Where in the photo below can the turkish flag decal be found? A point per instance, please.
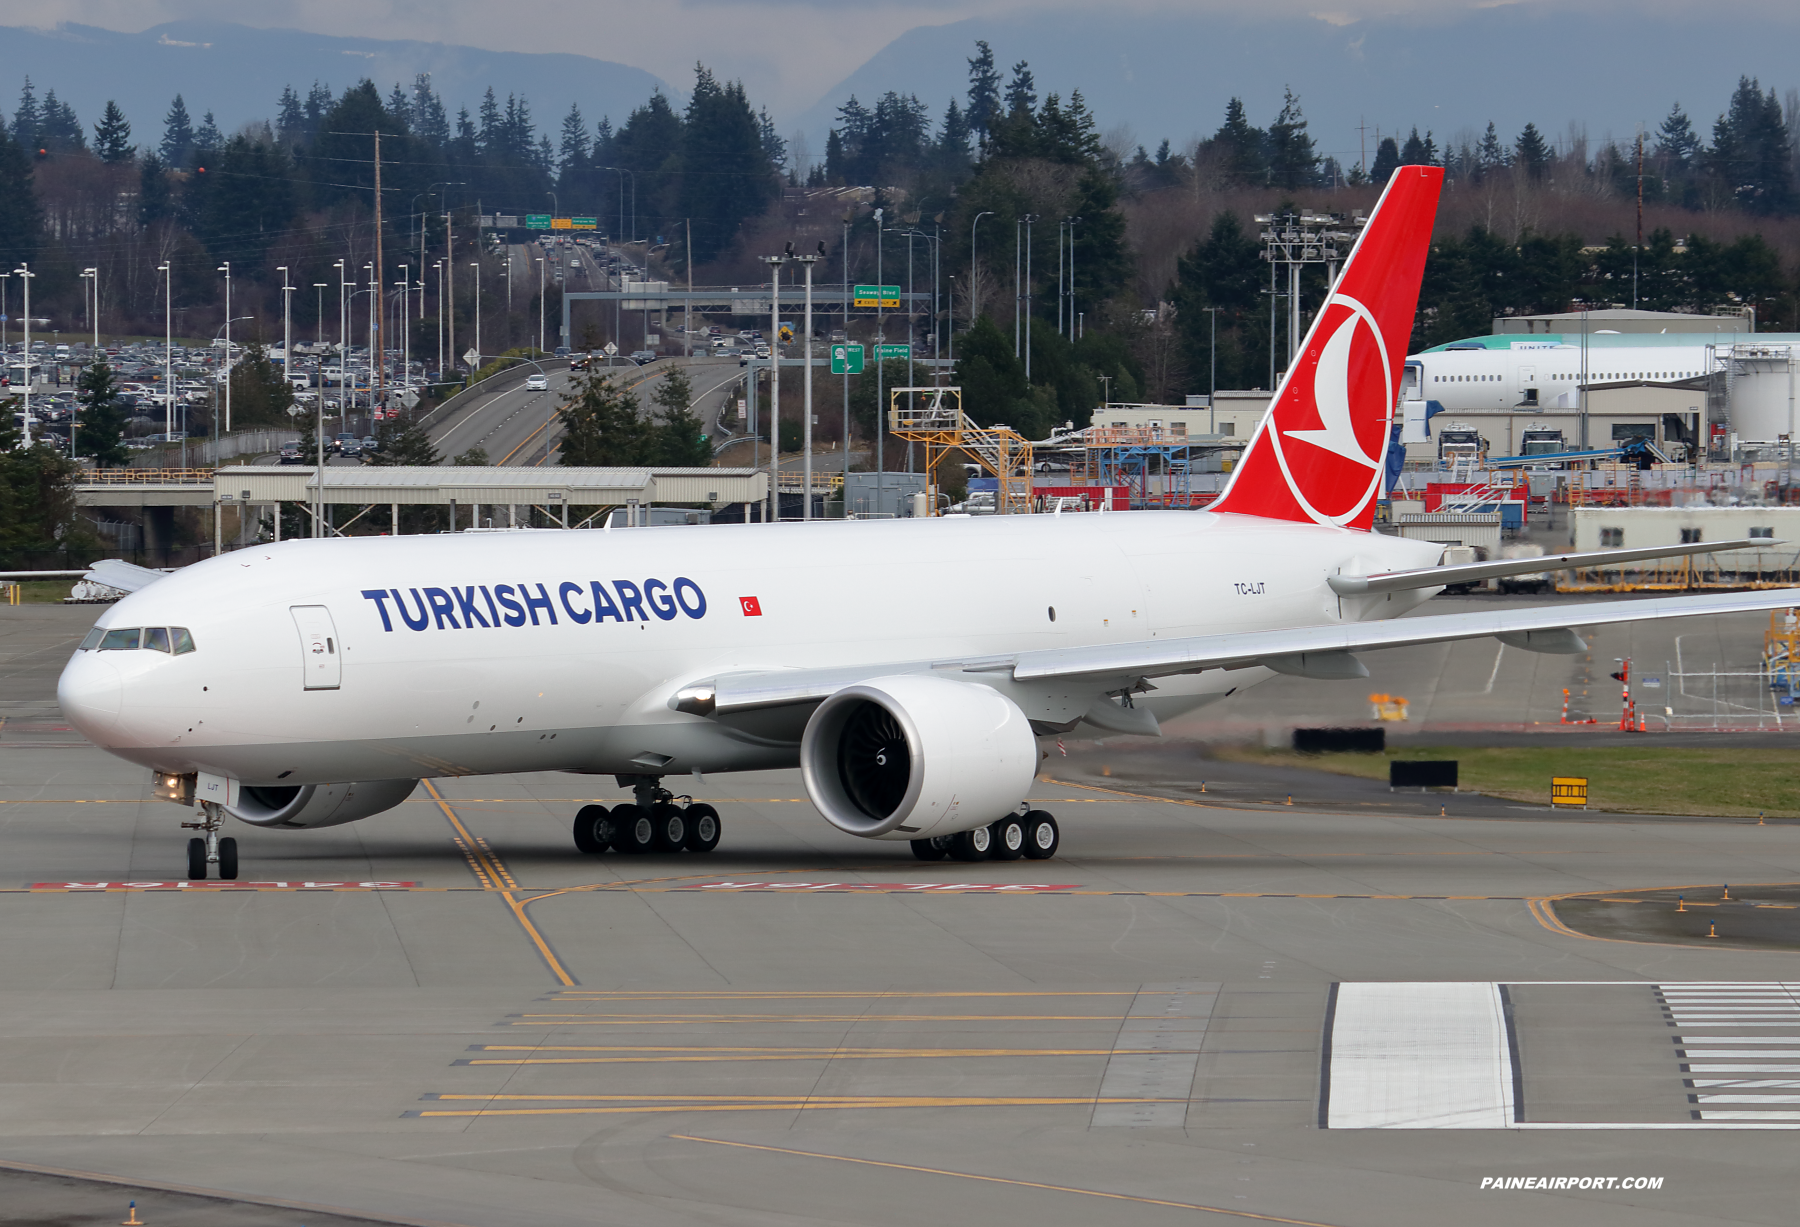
(752, 606)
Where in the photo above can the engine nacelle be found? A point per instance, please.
(305, 806)
(907, 757)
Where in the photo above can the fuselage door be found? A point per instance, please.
(321, 654)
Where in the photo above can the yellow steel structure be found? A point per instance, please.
(937, 420)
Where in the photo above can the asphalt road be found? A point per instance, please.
(1205, 1009)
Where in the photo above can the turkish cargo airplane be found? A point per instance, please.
(908, 667)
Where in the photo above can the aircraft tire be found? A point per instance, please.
(634, 831)
(196, 860)
(228, 866)
(972, 845)
(1042, 836)
(671, 828)
(1008, 838)
(933, 849)
(703, 828)
(590, 835)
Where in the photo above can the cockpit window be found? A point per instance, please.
(174, 639)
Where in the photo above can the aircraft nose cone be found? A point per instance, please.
(89, 692)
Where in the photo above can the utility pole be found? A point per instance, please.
(449, 287)
(880, 389)
(1640, 220)
(1029, 218)
(169, 352)
(24, 273)
(1212, 399)
(974, 276)
(226, 269)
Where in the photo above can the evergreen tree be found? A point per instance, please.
(25, 118)
(774, 147)
(260, 393)
(1021, 92)
(407, 443)
(21, 219)
(430, 123)
(154, 202)
(399, 107)
(1239, 147)
(290, 120)
(1532, 153)
(953, 142)
(1293, 162)
(984, 93)
(37, 494)
(1752, 156)
(680, 435)
(1490, 155)
(1225, 270)
(112, 136)
(721, 140)
(992, 379)
(178, 136)
(318, 102)
(207, 137)
(59, 131)
(601, 427)
(1387, 160)
(575, 150)
(100, 416)
(1416, 151)
(474, 458)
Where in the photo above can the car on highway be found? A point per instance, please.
(290, 454)
(643, 355)
(538, 382)
(340, 442)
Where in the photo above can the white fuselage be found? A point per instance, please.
(1558, 366)
(473, 686)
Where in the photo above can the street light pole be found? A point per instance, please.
(775, 263)
(880, 388)
(169, 353)
(540, 264)
(226, 269)
(1029, 218)
(287, 326)
(24, 273)
(474, 365)
(974, 279)
(807, 379)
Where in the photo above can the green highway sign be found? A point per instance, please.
(893, 353)
(877, 296)
(537, 221)
(584, 223)
(846, 359)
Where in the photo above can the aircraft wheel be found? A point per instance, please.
(972, 845)
(671, 828)
(703, 828)
(196, 860)
(634, 831)
(1042, 837)
(933, 849)
(593, 828)
(1008, 838)
(228, 867)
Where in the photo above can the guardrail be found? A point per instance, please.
(146, 477)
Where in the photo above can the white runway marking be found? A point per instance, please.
(1736, 1007)
(1419, 1056)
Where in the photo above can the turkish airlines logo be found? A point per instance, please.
(1346, 385)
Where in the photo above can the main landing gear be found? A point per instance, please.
(656, 823)
(211, 850)
(1033, 835)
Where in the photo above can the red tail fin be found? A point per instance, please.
(1317, 454)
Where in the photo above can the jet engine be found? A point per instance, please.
(306, 806)
(908, 757)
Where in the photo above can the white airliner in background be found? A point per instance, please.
(1549, 370)
(908, 667)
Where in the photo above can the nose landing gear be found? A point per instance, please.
(658, 822)
(211, 850)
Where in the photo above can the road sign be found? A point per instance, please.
(1568, 790)
(612, 350)
(846, 359)
(410, 399)
(470, 356)
(584, 223)
(893, 353)
(538, 221)
(877, 296)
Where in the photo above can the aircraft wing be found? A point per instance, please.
(125, 576)
(1325, 651)
(1464, 573)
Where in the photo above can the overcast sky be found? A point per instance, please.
(787, 52)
